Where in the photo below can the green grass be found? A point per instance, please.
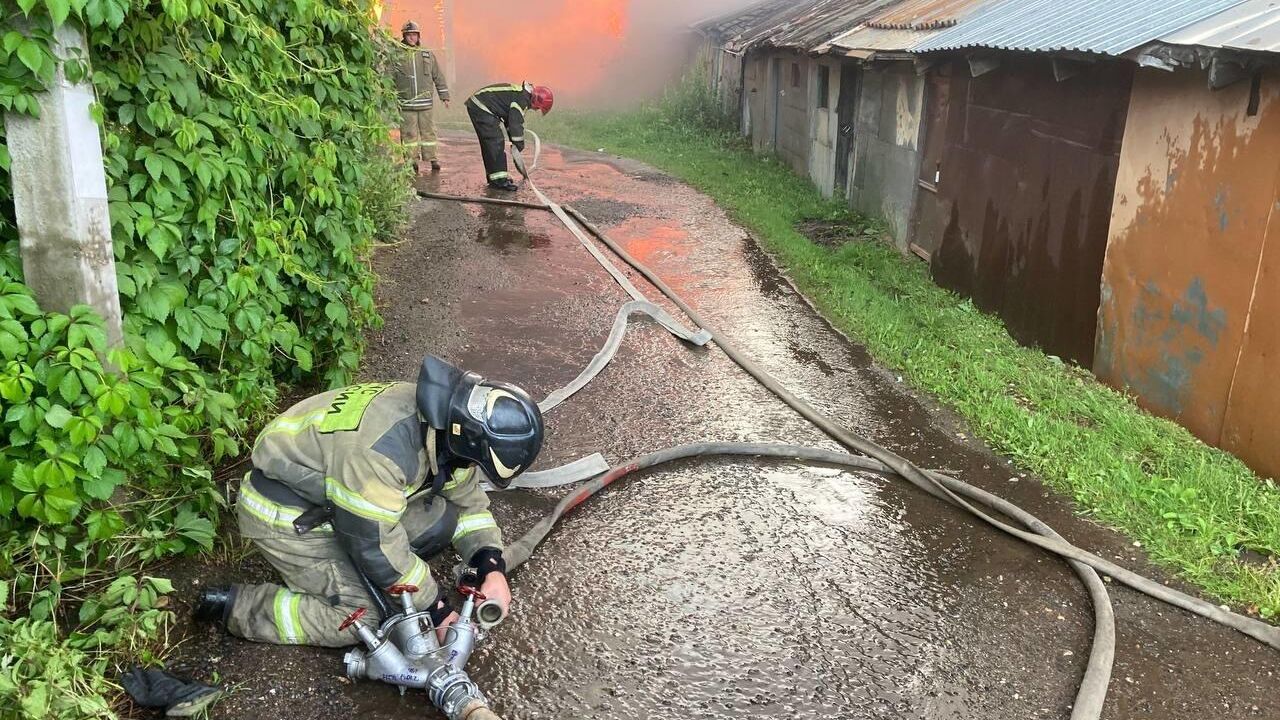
(1193, 508)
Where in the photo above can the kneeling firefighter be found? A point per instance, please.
(495, 106)
(356, 487)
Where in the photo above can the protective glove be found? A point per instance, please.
(154, 688)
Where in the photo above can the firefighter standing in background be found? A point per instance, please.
(495, 106)
(418, 77)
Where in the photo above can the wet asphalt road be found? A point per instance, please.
(729, 589)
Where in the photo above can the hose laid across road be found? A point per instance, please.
(881, 461)
(1093, 688)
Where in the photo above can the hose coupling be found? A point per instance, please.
(455, 694)
(489, 614)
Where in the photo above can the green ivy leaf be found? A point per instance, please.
(195, 528)
(94, 461)
(57, 416)
(58, 10)
(162, 353)
(190, 329)
(212, 318)
(158, 241)
(82, 431)
(24, 479)
(99, 488)
(24, 304)
(155, 167)
(163, 586)
(61, 504)
(303, 356)
(52, 473)
(69, 388)
(175, 9)
(10, 346)
(337, 312)
(31, 53)
(35, 703)
(114, 13)
(86, 334)
(104, 524)
(154, 302)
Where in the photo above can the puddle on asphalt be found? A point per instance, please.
(505, 228)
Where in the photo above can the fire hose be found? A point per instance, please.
(870, 457)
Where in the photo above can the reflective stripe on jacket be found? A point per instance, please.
(506, 102)
(418, 78)
(361, 451)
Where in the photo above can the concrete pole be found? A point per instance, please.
(60, 197)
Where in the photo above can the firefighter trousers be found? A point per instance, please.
(321, 585)
(493, 143)
(418, 133)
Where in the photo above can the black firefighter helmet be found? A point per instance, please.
(494, 425)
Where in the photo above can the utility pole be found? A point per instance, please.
(60, 196)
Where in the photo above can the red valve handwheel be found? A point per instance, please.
(353, 618)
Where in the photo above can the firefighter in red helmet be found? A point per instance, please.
(497, 106)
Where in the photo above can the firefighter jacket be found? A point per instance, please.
(362, 451)
(418, 77)
(508, 104)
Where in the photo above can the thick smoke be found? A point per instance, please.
(594, 53)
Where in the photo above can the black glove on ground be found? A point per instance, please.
(154, 688)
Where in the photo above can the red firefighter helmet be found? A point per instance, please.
(542, 98)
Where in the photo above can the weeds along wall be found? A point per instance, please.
(250, 172)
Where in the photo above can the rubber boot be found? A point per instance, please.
(213, 605)
(505, 185)
(435, 166)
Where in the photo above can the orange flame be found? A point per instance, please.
(567, 44)
(586, 50)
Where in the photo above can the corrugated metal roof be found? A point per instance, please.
(819, 22)
(923, 14)
(907, 24)
(804, 25)
(1109, 27)
(1253, 25)
(738, 21)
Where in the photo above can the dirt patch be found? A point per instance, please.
(607, 212)
(834, 233)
